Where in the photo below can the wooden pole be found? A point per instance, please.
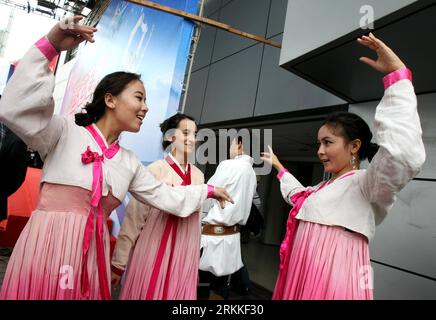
(204, 20)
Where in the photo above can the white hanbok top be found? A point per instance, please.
(27, 106)
(362, 200)
(222, 254)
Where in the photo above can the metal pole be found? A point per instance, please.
(195, 40)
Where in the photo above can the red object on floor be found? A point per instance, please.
(20, 207)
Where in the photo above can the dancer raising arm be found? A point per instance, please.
(63, 252)
(325, 251)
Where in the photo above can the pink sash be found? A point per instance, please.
(298, 200)
(97, 174)
(171, 224)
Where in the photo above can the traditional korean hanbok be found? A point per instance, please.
(63, 252)
(325, 251)
(163, 249)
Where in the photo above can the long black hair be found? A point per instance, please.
(172, 123)
(114, 84)
(351, 127)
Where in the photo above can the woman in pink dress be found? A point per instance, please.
(325, 251)
(163, 249)
(63, 252)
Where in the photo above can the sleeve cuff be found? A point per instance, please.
(117, 271)
(394, 77)
(46, 48)
(210, 191)
(281, 173)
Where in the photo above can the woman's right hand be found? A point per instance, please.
(271, 159)
(65, 36)
(387, 61)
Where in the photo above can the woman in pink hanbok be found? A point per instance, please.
(325, 251)
(63, 251)
(159, 251)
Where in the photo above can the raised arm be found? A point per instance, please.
(289, 185)
(27, 103)
(397, 130)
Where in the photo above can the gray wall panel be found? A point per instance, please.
(407, 237)
(232, 84)
(277, 15)
(226, 2)
(197, 88)
(203, 54)
(315, 23)
(392, 284)
(246, 15)
(282, 91)
(210, 7)
(427, 113)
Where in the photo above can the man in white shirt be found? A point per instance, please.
(220, 240)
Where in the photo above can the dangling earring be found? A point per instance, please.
(353, 162)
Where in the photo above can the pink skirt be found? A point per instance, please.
(180, 276)
(326, 263)
(46, 261)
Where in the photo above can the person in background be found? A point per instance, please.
(159, 250)
(220, 240)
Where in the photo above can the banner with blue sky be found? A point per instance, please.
(152, 43)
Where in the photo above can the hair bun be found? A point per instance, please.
(372, 150)
(83, 119)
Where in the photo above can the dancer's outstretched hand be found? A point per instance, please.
(222, 196)
(271, 159)
(65, 35)
(387, 61)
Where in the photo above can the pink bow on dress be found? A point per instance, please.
(97, 160)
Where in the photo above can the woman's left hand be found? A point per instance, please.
(387, 60)
(271, 159)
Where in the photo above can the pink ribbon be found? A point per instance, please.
(395, 76)
(46, 48)
(172, 223)
(210, 191)
(292, 224)
(97, 160)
